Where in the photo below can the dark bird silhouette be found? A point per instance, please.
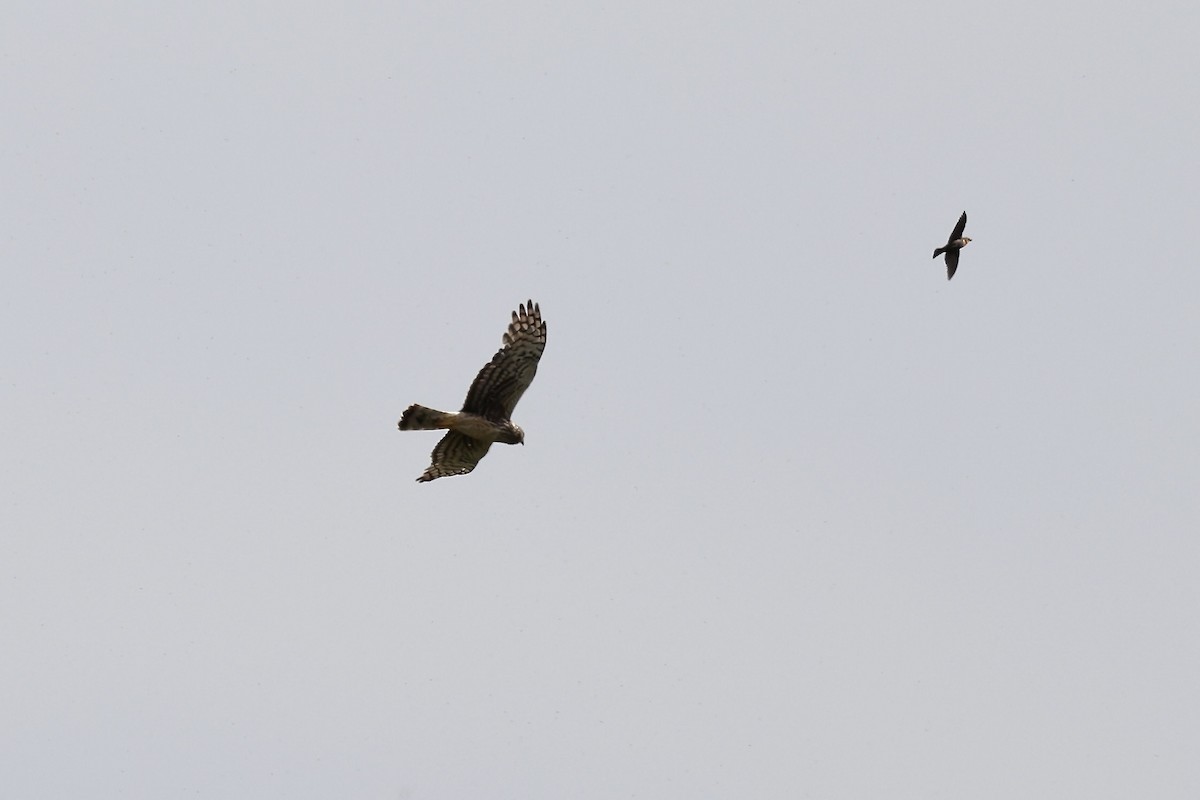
(955, 243)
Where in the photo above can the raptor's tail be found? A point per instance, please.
(420, 418)
(938, 252)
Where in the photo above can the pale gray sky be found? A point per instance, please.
(795, 518)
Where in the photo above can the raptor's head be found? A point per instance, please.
(966, 240)
(511, 434)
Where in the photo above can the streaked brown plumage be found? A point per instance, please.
(486, 413)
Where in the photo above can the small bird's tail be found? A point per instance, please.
(420, 418)
(938, 252)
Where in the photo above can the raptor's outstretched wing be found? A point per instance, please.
(455, 454)
(502, 381)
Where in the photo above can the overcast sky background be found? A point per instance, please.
(796, 517)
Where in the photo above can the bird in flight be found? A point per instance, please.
(486, 413)
(955, 243)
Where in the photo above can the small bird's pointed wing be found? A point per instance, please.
(959, 228)
(455, 454)
(502, 381)
(951, 263)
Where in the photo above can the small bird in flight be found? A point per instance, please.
(955, 243)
